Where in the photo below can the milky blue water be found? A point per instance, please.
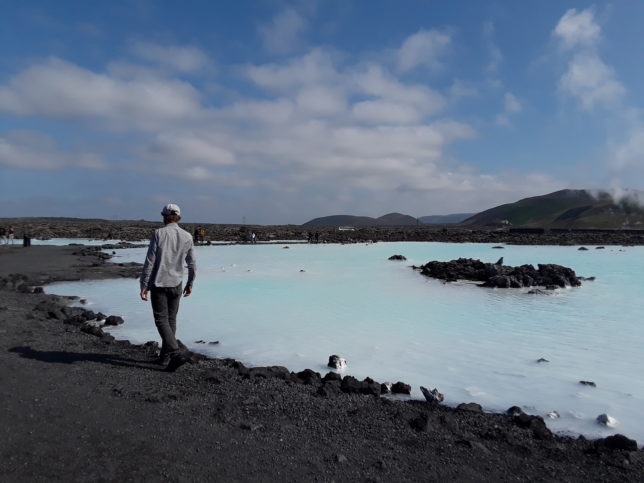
(268, 305)
(67, 241)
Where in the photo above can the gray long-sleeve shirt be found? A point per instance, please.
(169, 247)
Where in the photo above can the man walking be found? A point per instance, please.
(162, 277)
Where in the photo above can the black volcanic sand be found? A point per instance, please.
(75, 406)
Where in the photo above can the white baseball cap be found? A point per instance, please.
(171, 209)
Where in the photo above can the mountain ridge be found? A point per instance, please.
(566, 209)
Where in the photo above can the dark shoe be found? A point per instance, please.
(162, 360)
(176, 361)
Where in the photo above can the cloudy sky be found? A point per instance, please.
(281, 111)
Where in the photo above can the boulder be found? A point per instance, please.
(332, 376)
(617, 442)
(472, 407)
(114, 320)
(588, 383)
(535, 423)
(91, 329)
(308, 377)
(401, 388)
(432, 396)
(514, 411)
(398, 257)
(337, 362)
(352, 386)
(606, 420)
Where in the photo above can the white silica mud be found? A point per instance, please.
(268, 305)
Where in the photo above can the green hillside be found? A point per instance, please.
(577, 209)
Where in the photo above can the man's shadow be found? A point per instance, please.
(64, 357)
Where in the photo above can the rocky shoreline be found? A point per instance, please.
(136, 231)
(78, 404)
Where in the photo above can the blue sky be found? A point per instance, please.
(282, 111)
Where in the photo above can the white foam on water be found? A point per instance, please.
(391, 323)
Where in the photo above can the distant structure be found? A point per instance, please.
(346, 228)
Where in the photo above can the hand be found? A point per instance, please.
(187, 290)
(144, 294)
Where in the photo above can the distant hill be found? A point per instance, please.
(391, 219)
(581, 209)
(444, 219)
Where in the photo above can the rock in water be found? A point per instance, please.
(114, 320)
(499, 261)
(398, 257)
(553, 415)
(501, 276)
(606, 420)
(337, 362)
(588, 383)
(432, 396)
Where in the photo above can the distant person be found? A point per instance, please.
(253, 238)
(3, 235)
(162, 276)
(317, 237)
(310, 237)
(195, 235)
(11, 234)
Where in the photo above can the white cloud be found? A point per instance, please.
(316, 127)
(424, 48)
(386, 112)
(281, 34)
(322, 100)
(592, 82)
(59, 89)
(188, 147)
(496, 57)
(314, 68)
(182, 58)
(577, 29)
(375, 81)
(511, 103)
(37, 151)
(587, 78)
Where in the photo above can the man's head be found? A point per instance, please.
(171, 213)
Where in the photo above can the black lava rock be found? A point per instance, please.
(401, 388)
(114, 320)
(501, 276)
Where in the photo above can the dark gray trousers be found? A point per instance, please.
(165, 305)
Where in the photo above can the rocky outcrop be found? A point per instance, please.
(501, 276)
(398, 257)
